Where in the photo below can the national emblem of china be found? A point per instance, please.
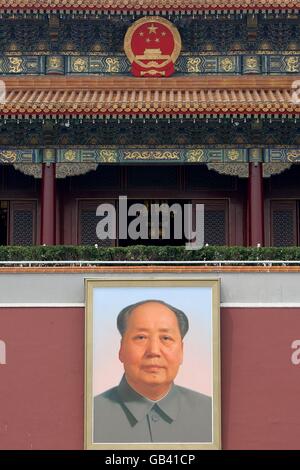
(152, 45)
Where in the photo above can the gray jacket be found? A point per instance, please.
(122, 415)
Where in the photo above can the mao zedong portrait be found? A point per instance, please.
(147, 406)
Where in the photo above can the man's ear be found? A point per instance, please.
(182, 348)
(121, 352)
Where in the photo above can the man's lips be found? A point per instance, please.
(152, 367)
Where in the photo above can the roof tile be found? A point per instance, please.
(237, 95)
(148, 5)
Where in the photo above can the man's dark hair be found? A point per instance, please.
(182, 319)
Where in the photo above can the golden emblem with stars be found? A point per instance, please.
(152, 45)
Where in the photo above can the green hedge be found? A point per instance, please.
(145, 253)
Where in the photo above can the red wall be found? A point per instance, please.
(41, 386)
(260, 385)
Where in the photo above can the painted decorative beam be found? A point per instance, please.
(134, 155)
(188, 63)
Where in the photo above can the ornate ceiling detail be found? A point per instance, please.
(73, 169)
(270, 169)
(62, 169)
(232, 169)
(30, 169)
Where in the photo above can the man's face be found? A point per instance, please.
(151, 349)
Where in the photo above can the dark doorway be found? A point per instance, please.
(162, 229)
(3, 222)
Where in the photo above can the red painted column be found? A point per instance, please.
(256, 205)
(48, 205)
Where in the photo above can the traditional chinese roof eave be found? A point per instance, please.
(70, 96)
(132, 83)
(143, 6)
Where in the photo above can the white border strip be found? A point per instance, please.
(261, 305)
(41, 305)
(223, 305)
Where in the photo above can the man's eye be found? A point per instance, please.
(140, 337)
(167, 338)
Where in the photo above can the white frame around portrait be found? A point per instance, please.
(146, 280)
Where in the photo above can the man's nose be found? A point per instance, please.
(153, 347)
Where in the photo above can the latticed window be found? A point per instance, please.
(22, 223)
(215, 221)
(215, 227)
(284, 223)
(23, 227)
(88, 221)
(3, 222)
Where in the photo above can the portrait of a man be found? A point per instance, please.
(152, 364)
(147, 406)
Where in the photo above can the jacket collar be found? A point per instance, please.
(140, 406)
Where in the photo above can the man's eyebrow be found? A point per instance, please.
(163, 330)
